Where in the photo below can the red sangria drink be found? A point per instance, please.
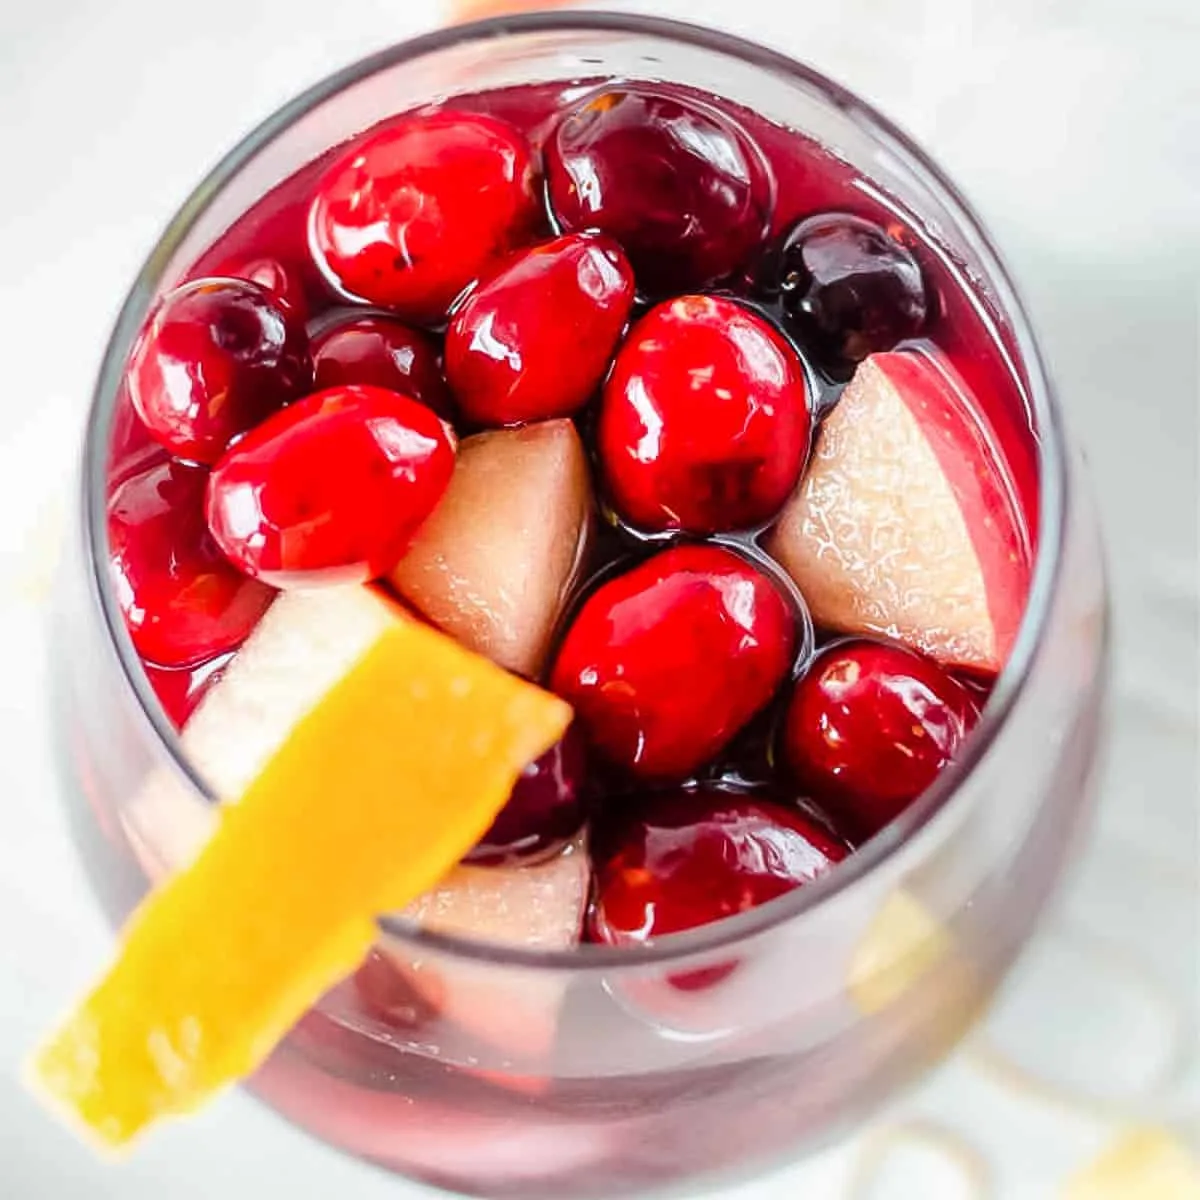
(660, 373)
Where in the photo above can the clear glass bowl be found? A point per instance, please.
(845, 990)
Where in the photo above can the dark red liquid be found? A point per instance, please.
(379, 1086)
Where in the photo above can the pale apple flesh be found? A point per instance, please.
(495, 562)
(906, 522)
(535, 907)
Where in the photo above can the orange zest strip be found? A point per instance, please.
(376, 793)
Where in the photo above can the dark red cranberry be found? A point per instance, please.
(688, 858)
(180, 689)
(665, 663)
(217, 357)
(332, 489)
(408, 216)
(283, 282)
(535, 340)
(849, 288)
(704, 424)
(869, 727)
(182, 600)
(380, 351)
(545, 809)
(678, 184)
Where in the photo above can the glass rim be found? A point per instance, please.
(1052, 470)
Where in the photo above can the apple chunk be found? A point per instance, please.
(536, 907)
(906, 522)
(493, 564)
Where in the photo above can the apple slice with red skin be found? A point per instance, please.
(906, 522)
(494, 563)
(537, 907)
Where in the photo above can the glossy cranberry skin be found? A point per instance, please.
(284, 282)
(848, 288)
(536, 339)
(216, 358)
(382, 352)
(687, 858)
(546, 806)
(408, 216)
(332, 489)
(665, 663)
(182, 601)
(682, 189)
(180, 689)
(131, 447)
(704, 423)
(869, 727)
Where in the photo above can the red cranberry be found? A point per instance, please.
(665, 663)
(536, 339)
(869, 727)
(410, 215)
(688, 858)
(704, 424)
(217, 357)
(332, 489)
(380, 351)
(681, 188)
(180, 689)
(131, 447)
(848, 288)
(283, 282)
(182, 601)
(545, 808)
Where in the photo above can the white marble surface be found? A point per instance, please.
(1075, 125)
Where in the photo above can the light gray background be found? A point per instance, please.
(1074, 125)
